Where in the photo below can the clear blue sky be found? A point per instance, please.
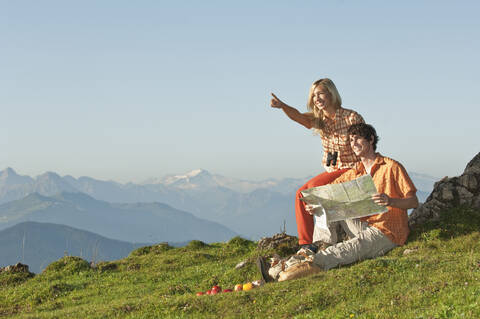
(127, 90)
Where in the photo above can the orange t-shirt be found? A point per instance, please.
(391, 178)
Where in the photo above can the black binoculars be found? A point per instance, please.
(332, 158)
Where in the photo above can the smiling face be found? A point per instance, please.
(322, 99)
(361, 146)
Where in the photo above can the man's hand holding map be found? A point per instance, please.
(334, 202)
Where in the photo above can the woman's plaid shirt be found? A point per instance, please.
(335, 139)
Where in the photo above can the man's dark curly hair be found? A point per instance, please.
(366, 131)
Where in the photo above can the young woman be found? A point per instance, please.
(330, 120)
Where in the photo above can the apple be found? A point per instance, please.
(216, 289)
(238, 287)
(209, 292)
(227, 290)
(200, 293)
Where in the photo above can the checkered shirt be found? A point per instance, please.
(335, 139)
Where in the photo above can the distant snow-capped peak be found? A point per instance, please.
(193, 179)
(196, 172)
(202, 179)
(174, 178)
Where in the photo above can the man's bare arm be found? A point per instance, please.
(409, 201)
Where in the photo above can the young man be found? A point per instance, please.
(370, 236)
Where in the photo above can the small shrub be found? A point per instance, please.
(68, 264)
(15, 278)
(104, 266)
(133, 267)
(155, 249)
(196, 244)
(239, 242)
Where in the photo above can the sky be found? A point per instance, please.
(131, 90)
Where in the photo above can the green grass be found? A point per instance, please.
(441, 279)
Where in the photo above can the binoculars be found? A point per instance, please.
(332, 158)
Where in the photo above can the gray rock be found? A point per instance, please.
(18, 267)
(473, 167)
(449, 193)
(468, 181)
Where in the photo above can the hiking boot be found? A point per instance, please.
(311, 247)
(299, 270)
(263, 266)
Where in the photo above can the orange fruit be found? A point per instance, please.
(248, 286)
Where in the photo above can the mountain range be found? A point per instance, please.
(133, 222)
(250, 208)
(38, 244)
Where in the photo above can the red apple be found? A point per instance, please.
(216, 288)
(227, 290)
(200, 293)
(209, 292)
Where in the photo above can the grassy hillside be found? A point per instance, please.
(440, 279)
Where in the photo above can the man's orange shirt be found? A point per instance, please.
(391, 178)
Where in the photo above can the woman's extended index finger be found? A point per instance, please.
(275, 97)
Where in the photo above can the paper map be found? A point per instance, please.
(342, 201)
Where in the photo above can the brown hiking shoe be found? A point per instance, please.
(263, 266)
(299, 270)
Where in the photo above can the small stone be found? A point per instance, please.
(409, 251)
(241, 264)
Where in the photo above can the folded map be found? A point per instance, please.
(342, 201)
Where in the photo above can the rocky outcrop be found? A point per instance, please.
(281, 239)
(19, 267)
(449, 193)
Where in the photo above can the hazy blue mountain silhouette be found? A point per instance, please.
(136, 222)
(39, 244)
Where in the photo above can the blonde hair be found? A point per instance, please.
(332, 90)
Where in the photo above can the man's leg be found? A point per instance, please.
(369, 242)
(305, 223)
